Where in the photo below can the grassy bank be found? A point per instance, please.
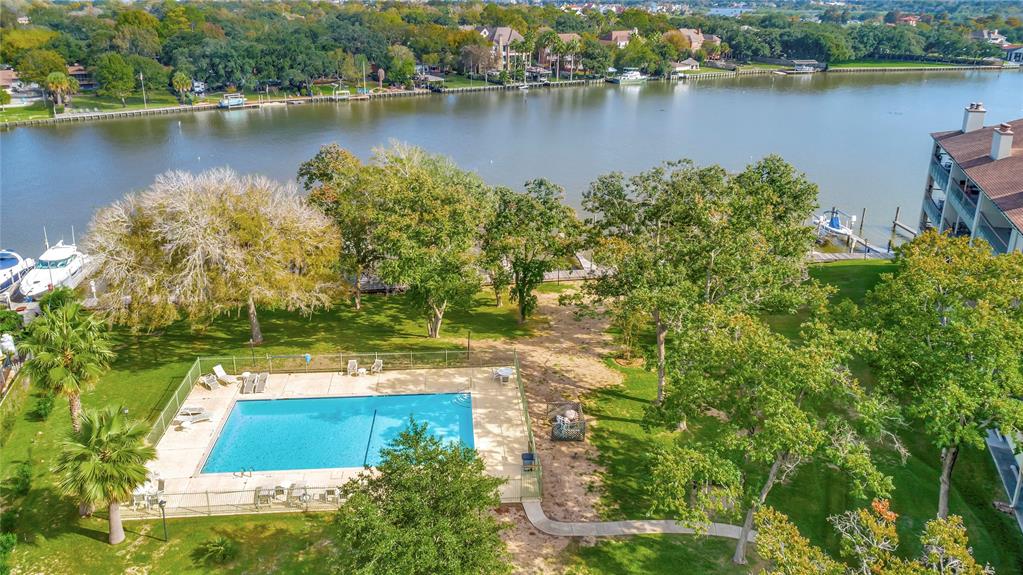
(52, 539)
(812, 495)
(891, 64)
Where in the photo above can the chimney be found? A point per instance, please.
(1001, 142)
(973, 118)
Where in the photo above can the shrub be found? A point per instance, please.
(216, 551)
(21, 482)
(10, 322)
(7, 542)
(43, 407)
(56, 298)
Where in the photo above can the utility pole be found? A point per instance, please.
(143, 80)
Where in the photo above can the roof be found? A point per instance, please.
(502, 35)
(1001, 180)
(8, 77)
(569, 37)
(619, 35)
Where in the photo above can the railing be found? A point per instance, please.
(174, 403)
(257, 499)
(933, 209)
(939, 173)
(997, 237)
(531, 481)
(331, 362)
(966, 205)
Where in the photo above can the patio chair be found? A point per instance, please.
(218, 370)
(205, 382)
(353, 367)
(190, 410)
(263, 495)
(331, 495)
(139, 500)
(378, 366)
(249, 384)
(261, 380)
(298, 494)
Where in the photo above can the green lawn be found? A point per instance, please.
(658, 554)
(460, 81)
(763, 66)
(154, 99)
(889, 64)
(51, 537)
(812, 495)
(35, 111)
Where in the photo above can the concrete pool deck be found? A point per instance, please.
(499, 433)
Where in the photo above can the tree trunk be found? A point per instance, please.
(116, 528)
(662, 331)
(740, 548)
(949, 455)
(256, 332)
(433, 328)
(497, 295)
(75, 406)
(358, 296)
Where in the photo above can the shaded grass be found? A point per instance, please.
(658, 554)
(33, 111)
(813, 494)
(146, 371)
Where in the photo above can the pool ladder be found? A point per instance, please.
(463, 399)
(244, 472)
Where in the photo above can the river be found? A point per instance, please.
(863, 138)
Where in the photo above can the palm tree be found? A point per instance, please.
(70, 351)
(572, 48)
(104, 462)
(59, 84)
(182, 84)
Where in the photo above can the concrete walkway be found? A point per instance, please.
(536, 516)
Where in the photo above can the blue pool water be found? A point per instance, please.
(329, 432)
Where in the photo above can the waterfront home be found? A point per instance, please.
(677, 69)
(697, 38)
(989, 36)
(8, 78)
(975, 182)
(501, 40)
(619, 38)
(80, 73)
(1013, 53)
(549, 59)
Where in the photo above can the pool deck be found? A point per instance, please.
(499, 431)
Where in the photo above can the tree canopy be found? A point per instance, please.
(210, 243)
(950, 331)
(425, 510)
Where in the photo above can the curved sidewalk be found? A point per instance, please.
(539, 519)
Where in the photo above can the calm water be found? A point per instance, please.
(325, 433)
(862, 137)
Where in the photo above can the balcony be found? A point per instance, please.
(997, 237)
(964, 203)
(939, 174)
(933, 209)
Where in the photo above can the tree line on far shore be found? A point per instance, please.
(281, 45)
(692, 260)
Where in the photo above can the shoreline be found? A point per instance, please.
(86, 117)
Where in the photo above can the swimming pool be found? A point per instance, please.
(329, 432)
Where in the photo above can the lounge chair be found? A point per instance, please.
(249, 383)
(190, 410)
(378, 366)
(263, 495)
(261, 380)
(190, 419)
(205, 382)
(218, 370)
(353, 367)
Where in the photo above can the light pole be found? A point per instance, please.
(163, 514)
(143, 80)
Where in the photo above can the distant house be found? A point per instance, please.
(1013, 53)
(548, 57)
(908, 19)
(198, 87)
(619, 38)
(989, 36)
(24, 20)
(80, 73)
(686, 65)
(501, 39)
(697, 38)
(8, 78)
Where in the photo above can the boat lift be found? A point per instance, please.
(836, 223)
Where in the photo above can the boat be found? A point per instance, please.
(835, 222)
(13, 267)
(61, 265)
(231, 101)
(803, 69)
(629, 77)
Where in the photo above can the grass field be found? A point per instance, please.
(812, 495)
(34, 111)
(889, 64)
(51, 538)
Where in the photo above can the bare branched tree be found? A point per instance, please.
(201, 245)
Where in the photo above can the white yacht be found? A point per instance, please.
(60, 265)
(630, 76)
(12, 268)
